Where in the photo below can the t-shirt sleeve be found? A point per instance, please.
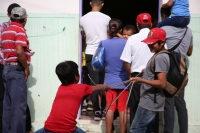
(162, 63)
(88, 90)
(127, 53)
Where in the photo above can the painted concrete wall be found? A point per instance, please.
(53, 30)
(192, 90)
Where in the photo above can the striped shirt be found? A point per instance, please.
(14, 35)
(3, 26)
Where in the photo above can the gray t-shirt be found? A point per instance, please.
(174, 35)
(162, 64)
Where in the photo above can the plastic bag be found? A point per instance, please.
(98, 58)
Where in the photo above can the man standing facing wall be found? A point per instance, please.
(93, 28)
(15, 48)
(135, 55)
(174, 35)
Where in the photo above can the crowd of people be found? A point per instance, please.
(128, 57)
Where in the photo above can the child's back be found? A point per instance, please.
(65, 107)
(180, 8)
(180, 14)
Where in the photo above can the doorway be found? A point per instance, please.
(126, 10)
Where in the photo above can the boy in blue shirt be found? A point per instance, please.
(180, 14)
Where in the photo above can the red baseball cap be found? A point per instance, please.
(155, 35)
(144, 18)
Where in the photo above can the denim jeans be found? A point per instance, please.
(169, 114)
(143, 121)
(177, 21)
(15, 100)
(42, 130)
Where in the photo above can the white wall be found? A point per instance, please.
(44, 6)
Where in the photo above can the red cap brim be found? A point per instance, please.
(150, 41)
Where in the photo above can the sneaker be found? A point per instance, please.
(97, 115)
(90, 106)
(103, 115)
(84, 107)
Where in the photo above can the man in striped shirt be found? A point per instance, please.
(16, 53)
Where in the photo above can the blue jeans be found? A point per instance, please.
(177, 21)
(143, 121)
(42, 130)
(15, 100)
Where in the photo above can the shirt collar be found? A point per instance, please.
(144, 30)
(17, 24)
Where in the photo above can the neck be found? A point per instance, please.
(96, 9)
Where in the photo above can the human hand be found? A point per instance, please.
(136, 79)
(32, 53)
(105, 87)
(143, 70)
(27, 73)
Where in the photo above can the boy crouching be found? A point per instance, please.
(62, 118)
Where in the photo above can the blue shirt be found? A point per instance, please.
(180, 8)
(114, 68)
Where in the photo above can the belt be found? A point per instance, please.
(12, 63)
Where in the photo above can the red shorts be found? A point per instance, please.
(120, 104)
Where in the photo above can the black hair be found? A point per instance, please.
(130, 27)
(160, 42)
(114, 26)
(97, 2)
(141, 26)
(67, 72)
(165, 11)
(17, 20)
(11, 7)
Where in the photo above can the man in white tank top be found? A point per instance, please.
(93, 28)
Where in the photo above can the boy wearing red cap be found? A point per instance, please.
(152, 84)
(135, 56)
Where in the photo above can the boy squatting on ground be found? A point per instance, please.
(148, 107)
(62, 118)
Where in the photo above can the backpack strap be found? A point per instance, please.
(173, 48)
(152, 65)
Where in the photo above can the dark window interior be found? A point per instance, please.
(126, 10)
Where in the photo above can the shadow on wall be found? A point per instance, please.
(31, 82)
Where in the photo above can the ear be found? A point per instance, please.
(120, 31)
(90, 3)
(102, 4)
(9, 15)
(77, 79)
(151, 25)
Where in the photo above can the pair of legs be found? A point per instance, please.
(134, 101)
(97, 77)
(177, 21)
(143, 121)
(42, 130)
(15, 100)
(120, 104)
(2, 90)
(169, 114)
